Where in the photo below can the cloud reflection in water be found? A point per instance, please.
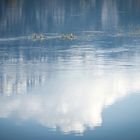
(78, 81)
(72, 101)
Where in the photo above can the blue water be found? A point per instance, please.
(53, 87)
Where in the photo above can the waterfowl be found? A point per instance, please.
(68, 37)
(38, 36)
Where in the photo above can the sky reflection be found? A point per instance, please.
(67, 84)
(73, 99)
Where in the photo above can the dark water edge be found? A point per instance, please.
(19, 18)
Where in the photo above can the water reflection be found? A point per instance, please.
(109, 15)
(65, 16)
(77, 90)
(67, 84)
(72, 103)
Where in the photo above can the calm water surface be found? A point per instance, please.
(86, 88)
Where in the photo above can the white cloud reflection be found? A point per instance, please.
(75, 101)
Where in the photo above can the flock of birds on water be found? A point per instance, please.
(71, 36)
(41, 37)
(37, 37)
